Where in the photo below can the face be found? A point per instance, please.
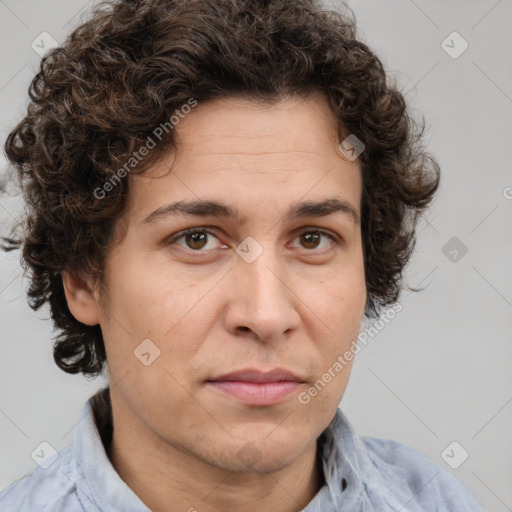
(258, 291)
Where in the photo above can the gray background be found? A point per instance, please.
(440, 370)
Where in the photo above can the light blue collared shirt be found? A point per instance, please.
(361, 474)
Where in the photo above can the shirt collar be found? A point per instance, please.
(99, 481)
(344, 462)
(346, 465)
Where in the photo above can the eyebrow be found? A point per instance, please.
(206, 208)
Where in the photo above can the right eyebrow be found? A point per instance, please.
(207, 208)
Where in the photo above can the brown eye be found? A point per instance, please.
(194, 239)
(312, 239)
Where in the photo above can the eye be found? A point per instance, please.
(198, 239)
(195, 239)
(311, 238)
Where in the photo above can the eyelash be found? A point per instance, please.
(181, 234)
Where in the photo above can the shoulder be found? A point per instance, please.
(429, 486)
(51, 489)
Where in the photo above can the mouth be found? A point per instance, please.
(256, 387)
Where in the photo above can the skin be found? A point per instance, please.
(298, 305)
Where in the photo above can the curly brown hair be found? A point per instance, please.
(131, 65)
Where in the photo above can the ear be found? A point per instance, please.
(82, 298)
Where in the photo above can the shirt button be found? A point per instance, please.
(343, 484)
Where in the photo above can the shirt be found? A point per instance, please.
(362, 474)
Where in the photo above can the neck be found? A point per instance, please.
(166, 478)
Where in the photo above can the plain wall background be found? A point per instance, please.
(440, 370)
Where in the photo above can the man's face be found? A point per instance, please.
(291, 298)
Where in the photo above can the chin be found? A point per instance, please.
(270, 459)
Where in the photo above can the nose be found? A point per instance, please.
(263, 302)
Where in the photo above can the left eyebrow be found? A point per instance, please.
(323, 208)
(205, 208)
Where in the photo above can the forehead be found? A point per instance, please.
(249, 152)
(242, 124)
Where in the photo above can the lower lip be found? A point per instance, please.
(255, 393)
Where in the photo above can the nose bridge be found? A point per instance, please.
(264, 301)
(260, 269)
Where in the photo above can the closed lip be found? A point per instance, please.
(258, 376)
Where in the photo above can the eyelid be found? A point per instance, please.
(335, 238)
(307, 229)
(170, 240)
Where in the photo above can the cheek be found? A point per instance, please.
(339, 309)
(156, 308)
(339, 300)
(152, 297)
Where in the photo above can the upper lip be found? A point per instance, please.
(254, 375)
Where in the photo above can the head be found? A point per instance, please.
(239, 107)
